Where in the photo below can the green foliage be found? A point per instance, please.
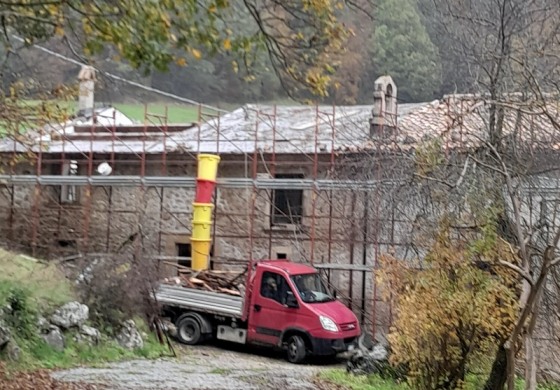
(17, 116)
(451, 311)
(18, 313)
(220, 371)
(362, 382)
(429, 156)
(402, 48)
(373, 382)
(544, 386)
(38, 354)
(214, 80)
(488, 239)
(46, 285)
(299, 37)
(28, 286)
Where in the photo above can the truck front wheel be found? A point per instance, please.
(188, 331)
(296, 349)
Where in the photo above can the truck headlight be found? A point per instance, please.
(328, 324)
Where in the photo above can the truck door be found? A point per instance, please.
(269, 313)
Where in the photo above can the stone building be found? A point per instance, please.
(314, 184)
(279, 191)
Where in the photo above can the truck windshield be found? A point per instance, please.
(311, 288)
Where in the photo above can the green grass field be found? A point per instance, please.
(176, 113)
(156, 112)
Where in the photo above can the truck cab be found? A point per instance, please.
(290, 307)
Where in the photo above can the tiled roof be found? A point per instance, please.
(459, 120)
(462, 121)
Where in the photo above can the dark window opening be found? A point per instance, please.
(389, 101)
(287, 203)
(185, 251)
(281, 256)
(67, 243)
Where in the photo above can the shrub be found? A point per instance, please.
(19, 313)
(450, 310)
(116, 289)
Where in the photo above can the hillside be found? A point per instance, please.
(36, 299)
(46, 284)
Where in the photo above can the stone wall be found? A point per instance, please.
(111, 219)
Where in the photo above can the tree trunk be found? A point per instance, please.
(530, 363)
(530, 358)
(498, 374)
(510, 357)
(529, 307)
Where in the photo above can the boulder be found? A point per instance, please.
(43, 325)
(368, 358)
(12, 351)
(4, 335)
(55, 339)
(88, 334)
(72, 314)
(379, 352)
(129, 337)
(366, 362)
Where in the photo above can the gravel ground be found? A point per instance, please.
(205, 367)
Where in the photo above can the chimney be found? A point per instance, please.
(87, 86)
(383, 121)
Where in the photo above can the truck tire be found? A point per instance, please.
(188, 331)
(296, 349)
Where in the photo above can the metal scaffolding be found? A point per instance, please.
(333, 198)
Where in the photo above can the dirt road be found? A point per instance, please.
(204, 367)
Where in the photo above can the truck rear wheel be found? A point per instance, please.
(296, 349)
(188, 331)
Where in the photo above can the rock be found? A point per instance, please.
(55, 339)
(364, 361)
(169, 327)
(7, 309)
(72, 314)
(129, 337)
(379, 352)
(13, 351)
(549, 375)
(86, 276)
(88, 334)
(4, 335)
(43, 325)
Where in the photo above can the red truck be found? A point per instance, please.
(286, 305)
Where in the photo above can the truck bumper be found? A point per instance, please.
(323, 347)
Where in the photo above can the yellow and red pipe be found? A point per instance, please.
(201, 239)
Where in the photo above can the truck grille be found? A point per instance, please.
(349, 326)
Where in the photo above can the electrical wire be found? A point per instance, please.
(122, 79)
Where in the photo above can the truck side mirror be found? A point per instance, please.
(291, 300)
(334, 293)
